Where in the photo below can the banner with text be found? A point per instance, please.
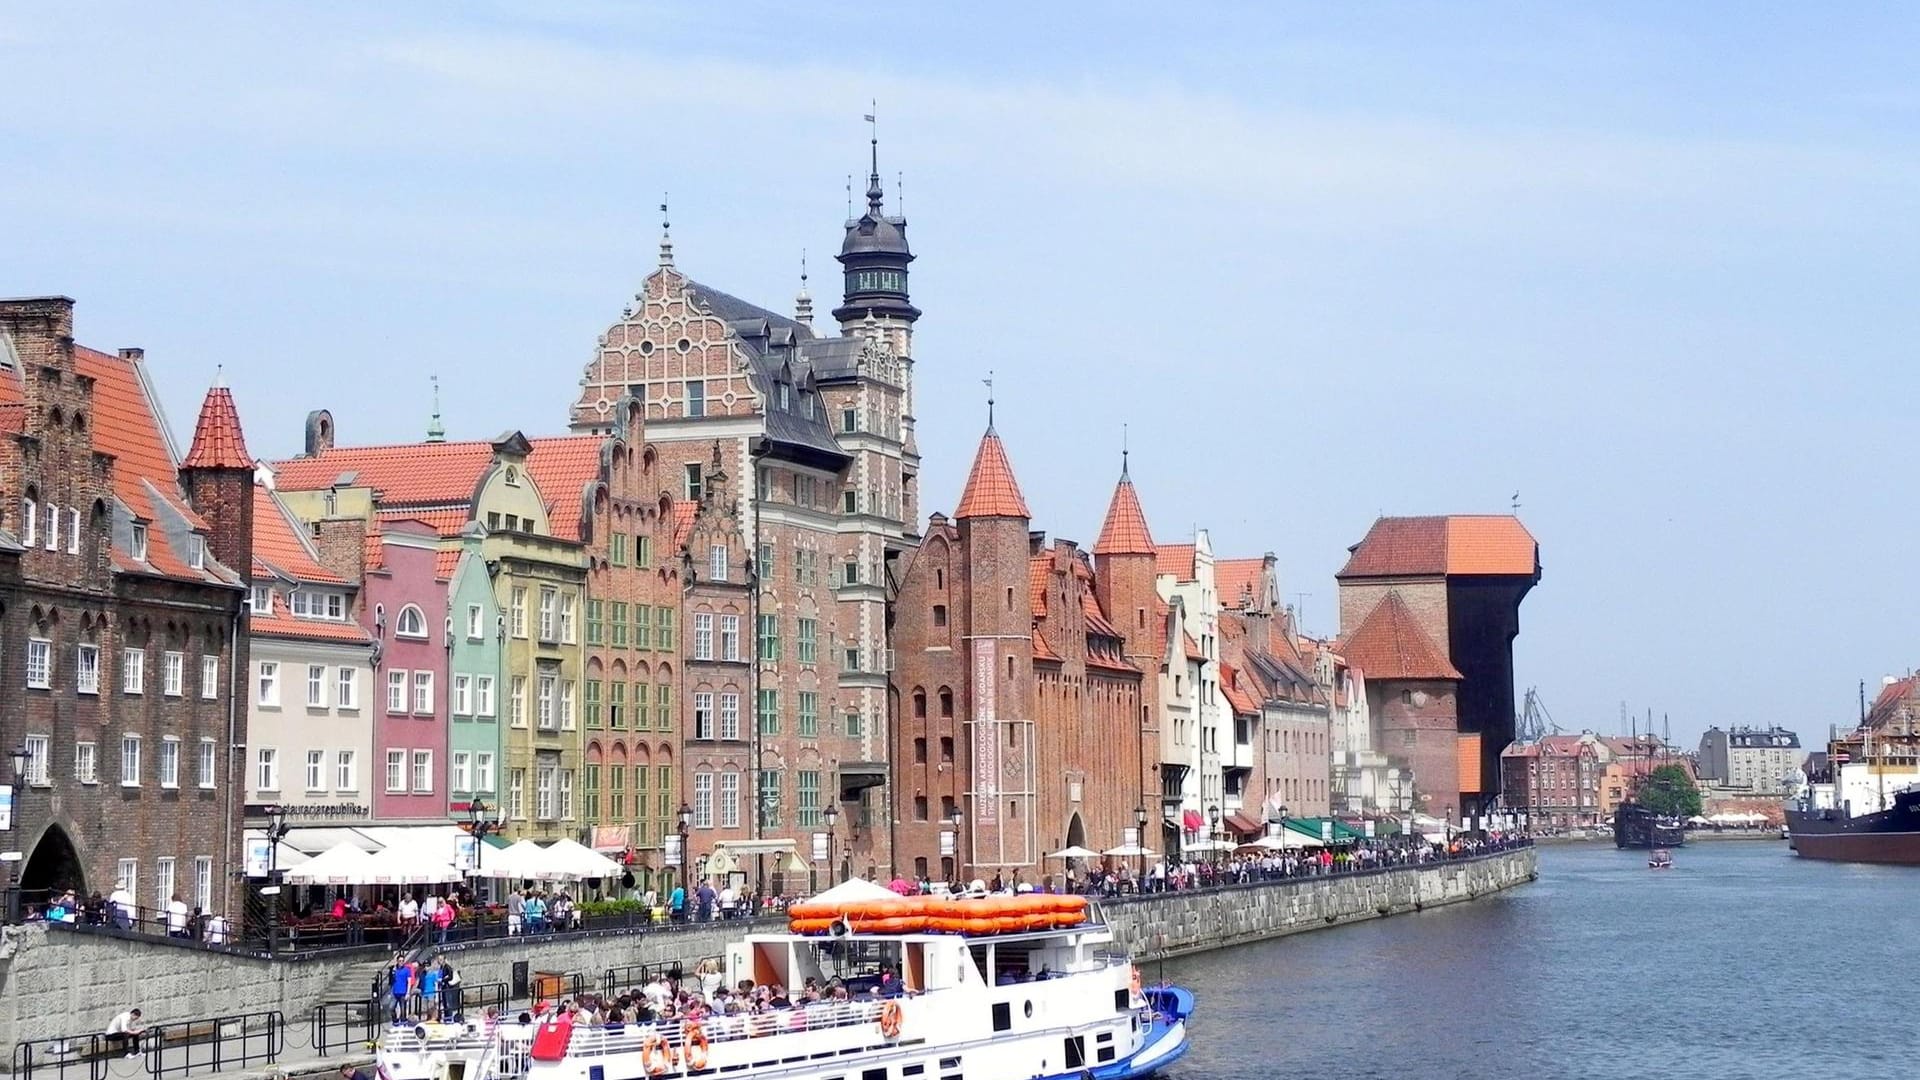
(986, 731)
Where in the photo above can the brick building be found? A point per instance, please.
(1556, 780)
(121, 604)
(1021, 726)
(1446, 645)
(815, 437)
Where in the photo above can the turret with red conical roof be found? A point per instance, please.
(218, 475)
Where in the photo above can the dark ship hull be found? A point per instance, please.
(1635, 826)
(1888, 836)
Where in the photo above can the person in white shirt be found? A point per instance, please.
(124, 1030)
(122, 902)
(216, 929)
(409, 911)
(176, 917)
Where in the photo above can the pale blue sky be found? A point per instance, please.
(1649, 265)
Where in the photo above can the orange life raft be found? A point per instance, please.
(940, 914)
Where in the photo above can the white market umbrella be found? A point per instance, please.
(1285, 840)
(396, 867)
(1128, 851)
(1207, 845)
(342, 864)
(519, 860)
(570, 860)
(1074, 852)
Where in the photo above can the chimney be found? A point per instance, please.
(133, 353)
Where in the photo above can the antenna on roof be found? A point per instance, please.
(900, 192)
(989, 381)
(849, 196)
(1516, 504)
(1123, 451)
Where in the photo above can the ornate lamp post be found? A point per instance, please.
(481, 828)
(832, 816)
(955, 819)
(21, 757)
(1213, 832)
(277, 830)
(1140, 844)
(685, 822)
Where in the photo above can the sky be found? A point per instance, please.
(1649, 266)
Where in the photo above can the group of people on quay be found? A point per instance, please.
(1243, 867)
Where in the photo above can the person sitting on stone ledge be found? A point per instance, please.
(125, 1030)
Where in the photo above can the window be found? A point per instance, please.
(767, 635)
(717, 562)
(316, 686)
(423, 771)
(692, 485)
(642, 626)
(86, 762)
(138, 545)
(596, 621)
(347, 688)
(203, 882)
(946, 749)
(29, 516)
(162, 881)
(808, 781)
(590, 780)
(809, 643)
(344, 778)
(566, 794)
(463, 695)
(73, 532)
(126, 875)
(546, 778)
(768, 807)
(517, 701)
(316, 770)
(850, 501)
(53, 527)
(170, 762)
(397, 690)
(483, 771)
(696, 397)
(919, 751)
(703, 800)
(86, 664)
(809, 714)
(730, 800)
(483, 695)
(39, 663)
(702, 636)
(209, 677)
(850, 659)
(763, 562)
(517, 794)
(617, 703)
(663, 627)
(173, 672)
(729, 637)
(567, 632)
(544, 695)
(39, 756)
(519, 605)
(566, 704)
(411, 623)
(850, 573)
(133, 671)
(767, 709)
(849, 419)
(266, 769)
(663, 707)
(270, 683)
(476, 623)
(854, 727)
(423, 693)
(617, 549)
(643, 552)
(462, 781)
(196, 551)
(396, 770)
(939, 615)
(702, 714)
(730, 716)
(261, 600)
(620, 624)
(549, 611)
(203, 776)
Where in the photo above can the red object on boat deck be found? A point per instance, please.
(551, 1038)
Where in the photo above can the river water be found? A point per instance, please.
(1742, 961)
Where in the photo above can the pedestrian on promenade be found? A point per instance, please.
(677, 904)
(176, 917)
(402, 985)
(120, 901)
(125, 1030)
(516, 912)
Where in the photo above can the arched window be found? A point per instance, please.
(411, 623)
(946, 702)
(919, 702)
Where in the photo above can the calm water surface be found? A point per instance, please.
(1742, 961)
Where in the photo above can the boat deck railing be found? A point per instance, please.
(601, 1040)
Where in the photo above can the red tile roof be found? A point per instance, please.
(1236, 579)
(217, 439)
(1463, 544)
(1193, 649)
(684, 511)
(127, 424)
(991, 490)
(1125, 531)
(280, 546)
(446, 522)
(1389, 644)
(1039, 571)
(445, 562)
(1237, 696)
(373, 551)
(281, 623)
(1175, 559)
(562, 467)
(406, 473)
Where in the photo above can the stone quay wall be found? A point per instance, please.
(62, 983)
(1157, 927)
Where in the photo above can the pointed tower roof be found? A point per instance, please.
(1125, 531)
(1390, 645)
(991, 489)
(217, 440)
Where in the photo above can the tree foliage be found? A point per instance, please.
(1670, 792)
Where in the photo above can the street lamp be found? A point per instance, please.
(955, 819)
(277, 830)
(1213, 833)
(685, 822)
(1140, 844)
(832, 815)
(21, 756)
(480, 828)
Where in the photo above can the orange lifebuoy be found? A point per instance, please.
(890, 1019)
(695, 1038)
(655, 1056)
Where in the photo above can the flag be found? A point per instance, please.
(868, 117)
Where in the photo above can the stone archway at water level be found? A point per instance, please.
(54, 864)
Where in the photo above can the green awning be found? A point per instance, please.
(1312, 829)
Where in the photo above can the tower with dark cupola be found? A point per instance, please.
(874, 258)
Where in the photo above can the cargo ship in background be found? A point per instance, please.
(1861, 799)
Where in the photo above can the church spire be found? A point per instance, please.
(991, 490)
(803, 303)
(1125, 531)
(874, 195)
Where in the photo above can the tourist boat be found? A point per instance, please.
(983, 988)
(1661, 859)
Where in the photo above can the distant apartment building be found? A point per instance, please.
(1765, 761)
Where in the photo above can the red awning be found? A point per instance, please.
(1191, 820)
(1242, 822)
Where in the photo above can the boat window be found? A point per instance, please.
(950, 1063)
(1076, 1052)
(1105, 1055)
(916, 1069)
(1122, 1001)
(1105, 1037)
(1002, 1016)
(874, 1074)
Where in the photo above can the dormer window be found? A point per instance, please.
(786, 404)
(317, 604)
(138, 545)
(262, 600)
(513, 476)
(197, 551)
